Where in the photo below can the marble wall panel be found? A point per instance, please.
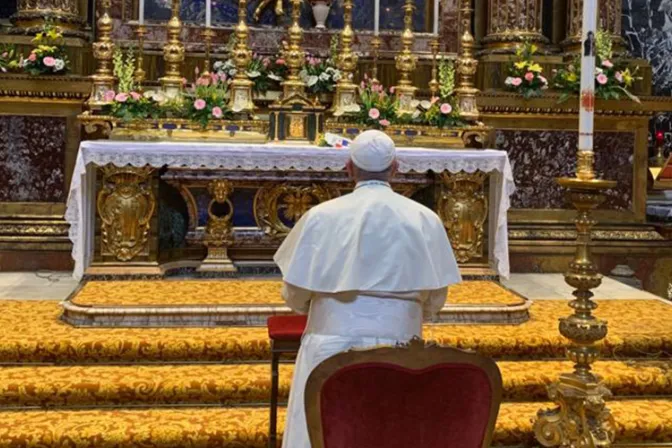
(32, 157)
(539, 157)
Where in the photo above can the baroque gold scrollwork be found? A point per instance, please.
(219, 229)
(125, 205)
(276, 205)
(463, 208)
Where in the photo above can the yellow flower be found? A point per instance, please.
(627, 77)
(571, 77)
(520, 65)
(53, 34)
(38, 38)
(533, 49)
(536, 68)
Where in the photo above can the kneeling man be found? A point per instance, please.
(366, 267)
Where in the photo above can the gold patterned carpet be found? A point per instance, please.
(147, 388)
(247, 292)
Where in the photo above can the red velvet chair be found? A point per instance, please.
(285, 333)
(409, 396)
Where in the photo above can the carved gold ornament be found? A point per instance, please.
(284, 202)
(219, 229)
(263, 4)
(463, 208)
(125, 205)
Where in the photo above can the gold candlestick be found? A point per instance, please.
(241, 87)
(466, 66)
(173, 54)
(294, 55)
(345, 97)
(208, 34)
(406, 63)
(434, 83)
(375, 44)
(139, 74)
(103, 49)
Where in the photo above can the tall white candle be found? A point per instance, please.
(376, 18)
(208, 12)
(587, 109)
(141, 12)
(436, 17)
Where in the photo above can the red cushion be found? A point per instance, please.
(286, 328)
(383, 405)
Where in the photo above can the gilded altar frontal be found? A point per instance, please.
(156, 155)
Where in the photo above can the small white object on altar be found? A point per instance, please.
(266, 157)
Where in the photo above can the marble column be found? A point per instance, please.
(511, 22)
(31, 15)
(608, 19)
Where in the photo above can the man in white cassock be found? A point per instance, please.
(367, 267)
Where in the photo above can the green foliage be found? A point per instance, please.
(9, 58)
(446, 77)
(124, 67)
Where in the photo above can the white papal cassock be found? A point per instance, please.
(367, 268)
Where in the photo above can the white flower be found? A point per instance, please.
(508, 81)
(330, 70)
(416, 114)
(598, 70)
(425, 104)
(217, 65)
(337, 76)
(324, 76)
(275, 77)
(414, 104)
(253, 74)
(60, 65)
(339, 112)
(312, 80)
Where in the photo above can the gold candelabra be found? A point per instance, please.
(173, 54)
(208, 34)
(581, 418)
(345, 97)
(139, 74)
(103, 49)
(434, 83)
(241, 87)
(375, 45)
(295, 56)
(406, 63)
(466, 66)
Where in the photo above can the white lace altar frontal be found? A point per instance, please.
(81, 200)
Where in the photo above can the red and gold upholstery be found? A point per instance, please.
(416, 395)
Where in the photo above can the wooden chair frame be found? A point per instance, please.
(415, 355)
(278, 348)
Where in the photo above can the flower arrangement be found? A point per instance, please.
(321, 75)
(441, 111)
(378, 106)
(130, 106)
(207, 99)
(123, 68)
(48, 57)
(9, 61)
(613, 78)
(524, 74)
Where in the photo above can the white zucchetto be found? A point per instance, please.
(373, 151)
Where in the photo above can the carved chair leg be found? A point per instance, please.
(273, 431)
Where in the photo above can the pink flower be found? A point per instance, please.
(362, 85)
(392, 90)
(4, 55)
(223, 77)
(619, 76)
(203, 81)
(384, 123)
(529, 76)
(434, 100)
(32, 57)
(602, 78)
(374, 114)
(49, 61)
(516, 82)
(135, 95)
(109, 95)
(184, 81)
(280, 61)
(543, 80)
(446, 108)
(607, 63)
(199, 104)
(214, 78)
(121, 97)
(196, 71)
(266, 62)
(217, 112)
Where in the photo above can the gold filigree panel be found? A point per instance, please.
(276, 206)
(219, 229)
(125, 205)
(463, 208)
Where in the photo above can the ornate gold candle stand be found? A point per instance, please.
(240, 100)
(139, 74)
(581, 418)
(467, 66)
(434, 83)
(375, 46)
(345, 97)
(219, 229)
(406, 63)
(173, 54)
(294, 116)
(208, 34)
(103, 80)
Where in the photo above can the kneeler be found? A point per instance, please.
(285, 333)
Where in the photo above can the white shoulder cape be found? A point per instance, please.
(370, 240)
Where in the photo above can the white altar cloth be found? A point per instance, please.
(81, 200)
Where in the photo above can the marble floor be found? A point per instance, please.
(58, 285)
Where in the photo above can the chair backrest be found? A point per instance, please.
(410, 396)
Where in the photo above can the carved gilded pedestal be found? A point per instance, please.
(511, 22)
(219, 230)
(126, 209)
(32, 14)
(463, 208)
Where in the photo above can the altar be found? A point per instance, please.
(240, 200)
